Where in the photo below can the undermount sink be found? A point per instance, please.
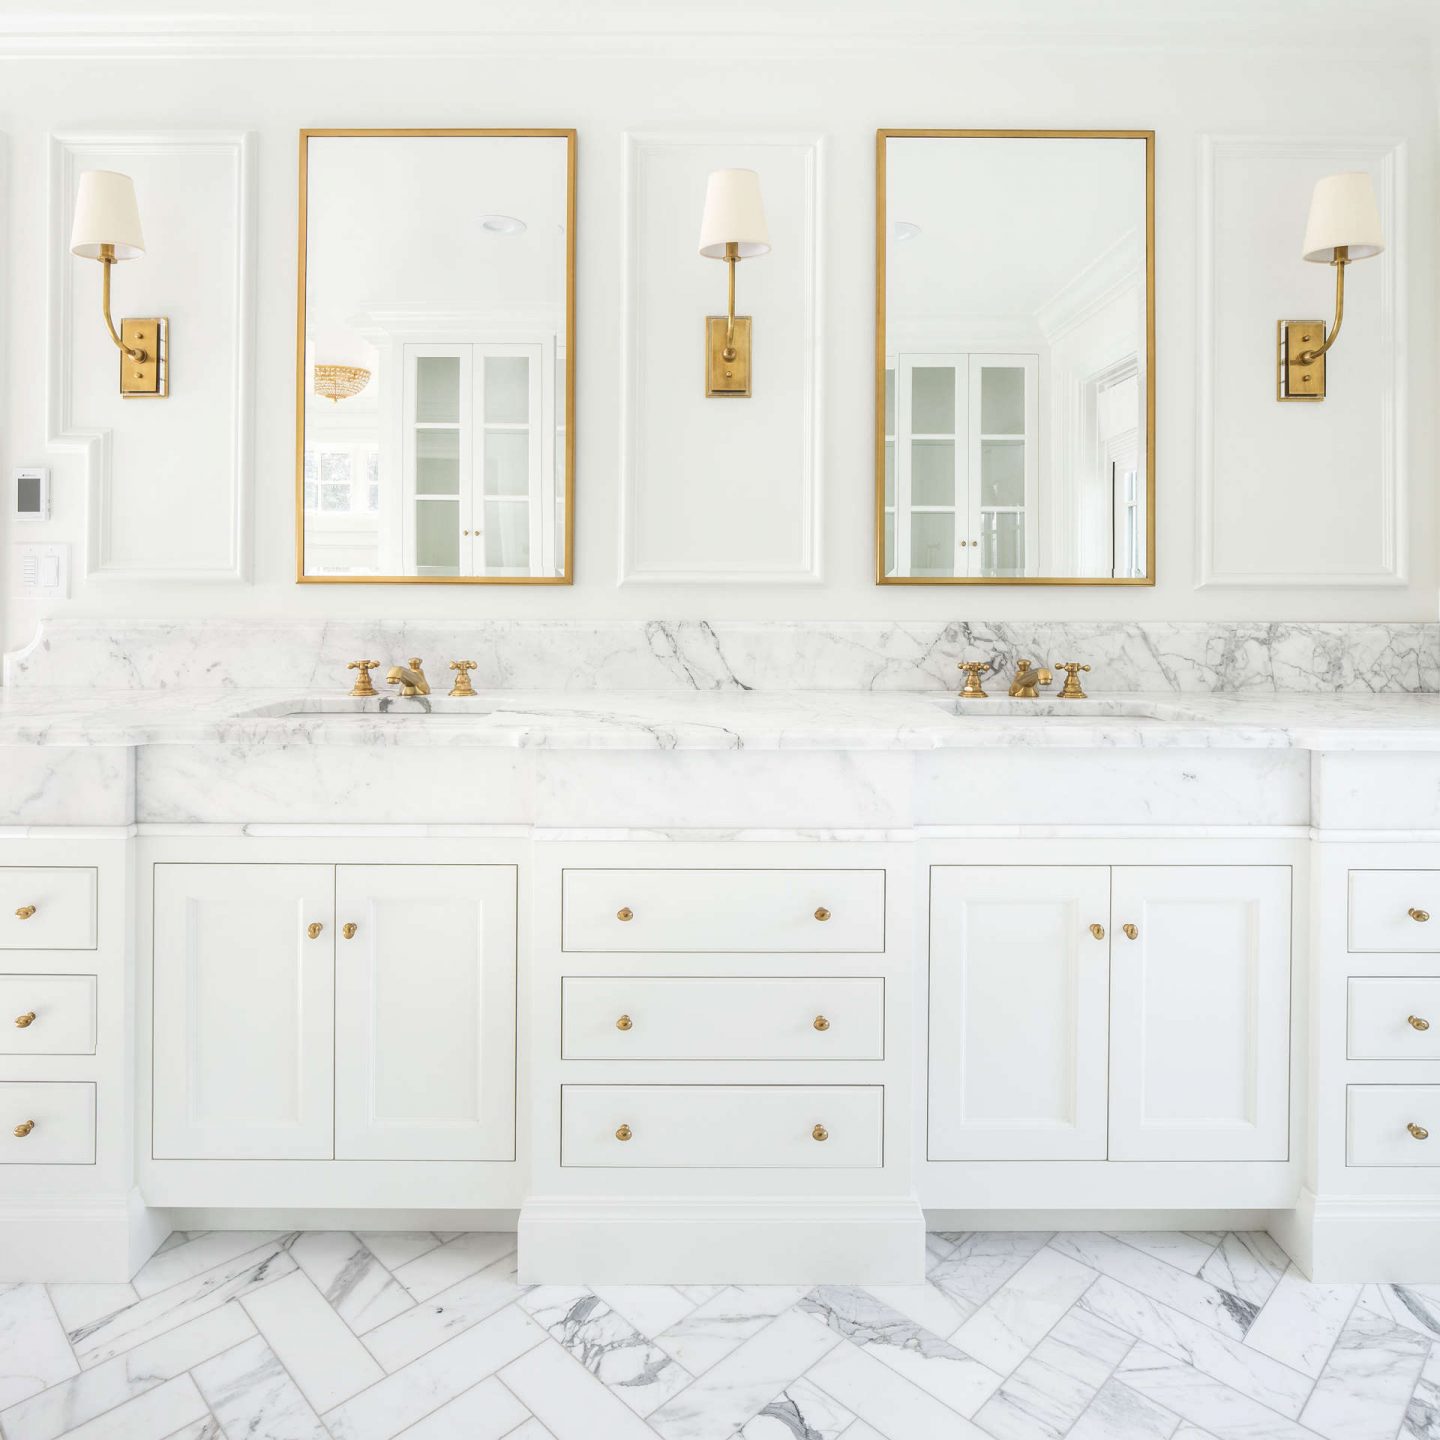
(1051, 707)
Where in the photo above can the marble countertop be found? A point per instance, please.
(717, 720)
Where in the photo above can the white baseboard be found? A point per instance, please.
(1097, 1219)
(91, 1240)
(1372, 1239)
(716, 1242)
(293, 1218)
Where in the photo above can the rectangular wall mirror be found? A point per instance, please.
(1015, 355)
(436, 357)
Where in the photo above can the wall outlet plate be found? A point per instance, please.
(42, 572)
(32, 493)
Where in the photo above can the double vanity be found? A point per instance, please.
(717, 984)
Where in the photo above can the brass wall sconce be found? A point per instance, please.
(107, 229)
(1344, 226)
(340, 382)
(733, 229)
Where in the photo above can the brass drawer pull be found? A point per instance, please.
(23, 1129)
(1418, 1131)
(1419, 916)
(1098, 931)
(24, 1021)
(822, 913)
(1132, 932)
(313, 929)
(348, 930)
(624, 913)
(624, 1133)
(1416, 1023)
(624, 1023)
(819, 1133)
(821, 1023)
(24, 912)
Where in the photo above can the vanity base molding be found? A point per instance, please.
(1372, 1239)
(77, 1239)
(768, 1241)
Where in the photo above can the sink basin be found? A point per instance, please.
(1051, 707)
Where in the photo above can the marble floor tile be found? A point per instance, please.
(34, 1351)
(1248, 1264)
(155, 1415)
(927, 1305)
(651, 1309)
(346, 1272)
(78, 1305)
(1364, 1391)
(1175, 1247)
(723, 1322)
(567, 1400)
(1300, 1322)
(1422, 1415)
(886, 1402)
(206, 1429)
(250, 1394)
(980, 1263)
(801, 1411)
(393, 1248)
(195, 1257)
(1018, 1316)
(1416, 1307)
(484, 1412)
(1119, 1413)
(530, 1429)
(442, 1267)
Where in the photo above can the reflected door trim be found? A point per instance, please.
(881, 240)
(566, 347)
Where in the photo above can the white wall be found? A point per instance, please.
(801, 72)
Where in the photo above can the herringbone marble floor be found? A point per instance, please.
(1173, 1336)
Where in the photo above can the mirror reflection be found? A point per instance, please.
(435, 369)
(1015, 420)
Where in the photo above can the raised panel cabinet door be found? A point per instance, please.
(1200, 1013)
(244, 1012)
(425, 1012)
(1019, 977)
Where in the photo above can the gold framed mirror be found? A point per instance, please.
(1015, 357)
(435, 358)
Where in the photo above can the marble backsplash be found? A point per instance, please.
(1180, 657)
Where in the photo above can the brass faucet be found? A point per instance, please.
(973, 670)
(1071, 689)
(1022, 687)
(410, 678)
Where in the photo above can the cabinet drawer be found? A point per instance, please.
(1379, 1118)
(60, 1116)
(798, 911)
(47, 1014)
(615, 1017)
(1395, 910)
(47, 909)
(1393, 1017)
(723, 1126)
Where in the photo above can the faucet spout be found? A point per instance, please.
(410, 678)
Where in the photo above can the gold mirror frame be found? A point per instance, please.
(568, 577)
(881, 236)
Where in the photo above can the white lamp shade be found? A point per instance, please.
(106, 214)
(734, 215)
(1343, 212)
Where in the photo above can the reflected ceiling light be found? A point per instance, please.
(732, 229)
(340, 382)
(1344, 226)
(502, 224)
(906, 229)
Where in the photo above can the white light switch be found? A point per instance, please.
(42, 572)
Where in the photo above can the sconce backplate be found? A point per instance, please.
(727, 377)
(149, 378)
(1295, 381)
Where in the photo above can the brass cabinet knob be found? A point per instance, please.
(1418, 1131)
(819, 1133)
(24, 912)
(822, 913)
(624, 1023)
(624, 1133)
(1098, 931)
(1132, 932)
(1416, 1023)
(821, 1023)
(23, 1022)
(1419, 916)
(348, 930)
(624, 913)
(313, 929)
(23, 1129)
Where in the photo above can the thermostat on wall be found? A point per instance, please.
(32, 494)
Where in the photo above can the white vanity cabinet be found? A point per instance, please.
(1121, 1013)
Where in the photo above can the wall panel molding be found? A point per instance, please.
(1295, 451)
(767, 445)
(204, 431)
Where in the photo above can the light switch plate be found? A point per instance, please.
(42, 572)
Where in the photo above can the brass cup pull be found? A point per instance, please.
(348, 930)
(624, 1133)
(23, 1129)
(822, 913)
(624, 1023)
(821, 1023)
(624, 913)
(24, 912)
(24, 1021)
(1132, 932)
(1418, 1131)
(1098, 931)
(1413, 1021)
(1419, 916)
(313, 929)
(819, 1133)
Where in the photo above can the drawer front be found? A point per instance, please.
(47, 1014)
(614, 1017)
(709, 911)
(809, 1127)
(1395, 910)
(47, 1122)
(1379, 1120)
(47, 909)
(1394, 1017)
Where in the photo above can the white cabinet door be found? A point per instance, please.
(1018, 987)
(243, 1006)
(425, 1012)
(1200, 1013)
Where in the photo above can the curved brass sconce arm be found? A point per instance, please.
(1341, 260)
(107, 263)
